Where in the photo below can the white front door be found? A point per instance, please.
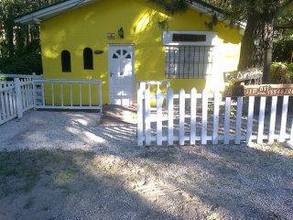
(121, 75)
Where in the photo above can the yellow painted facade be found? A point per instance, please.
(88, 27)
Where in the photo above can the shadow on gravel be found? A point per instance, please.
(248, 183)
(65, 185)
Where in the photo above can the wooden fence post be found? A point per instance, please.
(159, 117)
(239, 120)
(193, 101)
(227, 120)
(204, 125)
(140, 118)
(18, 97)
(147, 114)
(250, 118)
(181, 117)
(217, 100)
(261, 119)
(170, 117)
(273, 119)
(284, 118)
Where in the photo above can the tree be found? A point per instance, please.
(261, 17)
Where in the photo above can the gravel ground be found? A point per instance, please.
(92, 170)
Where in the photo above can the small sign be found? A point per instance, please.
(268, 90)
(111, 36)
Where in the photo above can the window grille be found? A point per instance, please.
(188, 62)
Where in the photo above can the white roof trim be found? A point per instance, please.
(51, 11)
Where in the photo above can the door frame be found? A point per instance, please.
(133, 68)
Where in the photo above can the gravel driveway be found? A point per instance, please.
(68, 131)
(92, 170)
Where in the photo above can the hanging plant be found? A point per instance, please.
(172, 6)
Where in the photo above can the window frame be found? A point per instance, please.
(88, 58)
(66, 61)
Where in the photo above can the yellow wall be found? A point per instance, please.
(87, 27)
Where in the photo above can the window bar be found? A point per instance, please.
(198, 62)
(169, 66)
(183, 66)
(204, 62)
(53, 95)
(174, 57)
(193, 63)
(178, 69)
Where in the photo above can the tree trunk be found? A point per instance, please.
(251, 48)
(256, 48)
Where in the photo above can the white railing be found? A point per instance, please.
(210, 118)
(28, 92)
(15, 98)
(68, 94)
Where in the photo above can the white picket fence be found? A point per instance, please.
(190, 118)
(28, 92)
(16, 97)
(70, 90)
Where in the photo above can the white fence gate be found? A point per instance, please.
(28, 92)
(16, 97)
(210, 118)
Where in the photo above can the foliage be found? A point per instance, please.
(172, 6)
(283, 50)
(281, 73)
(19, 44)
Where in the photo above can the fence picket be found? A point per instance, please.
(217, 100)
(147, 117)
(140, 117)
(250, 118)
(205, 100)
(273, 119)
(159, 117)
(181, 117)
(239, 119)
(227, 120)
(284, 119)
(193, 103)
(170, 117)
(261, 119)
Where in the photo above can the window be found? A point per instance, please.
(88, 61)
(188, 62)
(66, 61)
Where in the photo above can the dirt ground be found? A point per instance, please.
(67, 166)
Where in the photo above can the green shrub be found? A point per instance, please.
(281, 73)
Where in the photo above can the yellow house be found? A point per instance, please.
(122, 42)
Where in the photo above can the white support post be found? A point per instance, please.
(227, 120)
(217, 97)
(140, 118)
(250, 118)
(273, 119)
(170, 117)
(159, 117)
(239, 119)
(261, 119)
(193, 102)
(284, 119)
(205, 101)
(71, 95)
(80, 95)
(90, 95)
(18, 97)
(62, 94)
(53, 94)
(181, 117)
(43, 94)
(147, 117)
(100, 89)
